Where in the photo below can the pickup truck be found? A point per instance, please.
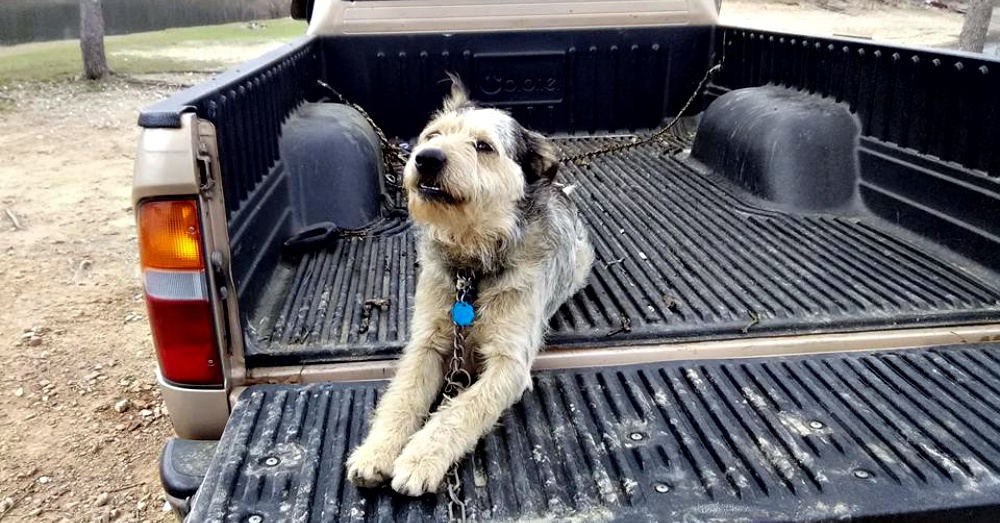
(794, 314)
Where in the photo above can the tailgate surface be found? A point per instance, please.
(814, 438)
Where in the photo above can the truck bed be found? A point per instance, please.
(681, 254)
(886, 436)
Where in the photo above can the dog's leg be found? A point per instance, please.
(510, 341)
(402, 410)
(407, 401)
(584, 261)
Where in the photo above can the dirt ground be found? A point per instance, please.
(73, 331)
(74, 342)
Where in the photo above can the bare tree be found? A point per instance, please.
(270, 9)
(95, 62)
(976, 25)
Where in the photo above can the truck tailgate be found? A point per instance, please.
(905, 435)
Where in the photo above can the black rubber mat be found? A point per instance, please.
(892, 436)
(679, 257)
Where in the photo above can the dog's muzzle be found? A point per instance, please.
(430, 163)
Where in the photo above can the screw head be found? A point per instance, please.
(862, 474)
(662, 488)
(816, 425)
(270, 462)
(636, 436)
(256, 518)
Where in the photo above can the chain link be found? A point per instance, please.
(458, 376)
(584, 158)
(456, 506)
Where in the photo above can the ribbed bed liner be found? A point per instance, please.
(892, 436)
(679, 257)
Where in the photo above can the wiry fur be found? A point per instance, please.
(509, 222)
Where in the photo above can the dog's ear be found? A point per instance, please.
(459, 96)
(537, 157)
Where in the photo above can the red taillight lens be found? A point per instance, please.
(173, 270)
(185, 341)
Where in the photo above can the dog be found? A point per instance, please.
(481, 192)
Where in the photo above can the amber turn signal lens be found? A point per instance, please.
(169, 235)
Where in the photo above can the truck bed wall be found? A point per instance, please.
(929, 152)
(555, 82)
(937, 103)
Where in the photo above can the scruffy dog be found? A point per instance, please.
(480, 189)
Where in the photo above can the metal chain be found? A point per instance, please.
(456, 506)
(458, 377)
(455, 381)
(584, 158)
(393, 156)
(456, 366)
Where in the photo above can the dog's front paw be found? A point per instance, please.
(418, 471)
(370, 464)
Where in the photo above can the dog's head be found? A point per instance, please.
(474, 166)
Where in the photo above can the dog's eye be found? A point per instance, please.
(484, 147)
(429, 136)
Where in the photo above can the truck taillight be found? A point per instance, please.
(173, 274)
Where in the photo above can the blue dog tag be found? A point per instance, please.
(462, 314)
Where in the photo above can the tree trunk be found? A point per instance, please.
(976, 25)
(95, 63)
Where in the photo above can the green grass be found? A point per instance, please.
(60, 60)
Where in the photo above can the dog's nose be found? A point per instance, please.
(429, 161)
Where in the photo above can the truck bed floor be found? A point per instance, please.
(886, 436)
(679, 256)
